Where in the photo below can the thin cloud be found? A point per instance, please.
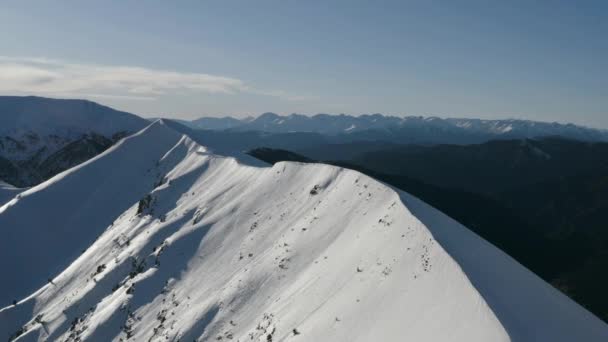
(107, 96)
(53, 77)
(284, 95)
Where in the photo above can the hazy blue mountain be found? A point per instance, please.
(226, 122)
(208, 123)
(410, 129)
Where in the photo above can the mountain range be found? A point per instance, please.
(408, 129)
(137, 230)
(183, 244)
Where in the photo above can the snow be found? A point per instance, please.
(506, 128)
(350, 128)
(157, 238)
(56, 116)
(7, 192)
(37, 127)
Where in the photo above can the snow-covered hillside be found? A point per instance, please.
(36, 126)
(48, 116)
(35, 130)
(159, 239)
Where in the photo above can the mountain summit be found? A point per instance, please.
(159, 239)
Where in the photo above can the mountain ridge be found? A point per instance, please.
(42, 136)
(478, 129)
(206, 247)
(50, 116)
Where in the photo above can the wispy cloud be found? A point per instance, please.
(284, 95)
(54, 77)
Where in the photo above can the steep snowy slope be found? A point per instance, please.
(59, 218)
(181, 244)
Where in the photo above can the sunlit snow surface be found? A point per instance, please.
(158, 239)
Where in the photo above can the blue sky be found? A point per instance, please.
(523, 59)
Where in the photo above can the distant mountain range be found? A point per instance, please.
(165, 235)
(410, 129)
(40, 137)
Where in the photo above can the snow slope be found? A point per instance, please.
(52, 116)
(159, 239)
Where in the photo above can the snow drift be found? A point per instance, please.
(159, 239)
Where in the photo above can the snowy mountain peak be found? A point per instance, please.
(158, 239)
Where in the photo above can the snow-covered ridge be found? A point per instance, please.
(159, 239)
